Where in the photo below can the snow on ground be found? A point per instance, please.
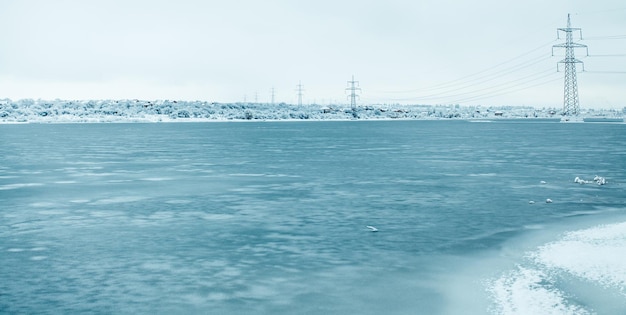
(62, 111)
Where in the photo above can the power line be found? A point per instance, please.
(475, 88)
(505, 91)
(486, 78)
(470, 79)
(609, 37)
(511, 86)
(607, 72)
(471, 87)
(519, 80)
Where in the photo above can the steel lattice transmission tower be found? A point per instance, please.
(353, 87)
(299, 90)
(571, 106)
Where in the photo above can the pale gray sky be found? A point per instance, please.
(488, 52)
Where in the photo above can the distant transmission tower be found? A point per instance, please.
(353, 87)
(272, 95)
(571, 106)
(299, 90)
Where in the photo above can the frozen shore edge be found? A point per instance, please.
(139, 111)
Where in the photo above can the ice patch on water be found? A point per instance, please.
(93, 165)
(18, 186)
(120, 199)
(114, 181)
(534, 227)
(178, 202)
(52, 212)
(374, 149)
(557, 274)
(529, 291)
(483, 175)
(37, 258)
(30, 172)
(258, 292)
(80, 201)
(157, 266)
(596, 254)
(246, 174)
(42, 204)
(279, 175)
(229, 272)
(93, 174)
(216, 216)
(61, 182)
(217, 296)
(106, 214)
(161, 215)
(156, 179)
(245, 190)
(291, 237)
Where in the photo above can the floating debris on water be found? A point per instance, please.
(597, 179)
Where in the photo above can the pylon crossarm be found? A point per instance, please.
(569, 29)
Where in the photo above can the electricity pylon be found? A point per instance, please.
(299, 90)
(353, 87)
(571, 106)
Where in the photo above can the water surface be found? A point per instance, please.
(270, 218)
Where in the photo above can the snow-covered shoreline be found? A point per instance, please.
(141, 111)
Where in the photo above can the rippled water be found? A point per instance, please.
(270, 218)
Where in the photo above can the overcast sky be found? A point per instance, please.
(489, 52)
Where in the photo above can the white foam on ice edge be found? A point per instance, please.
(529, 291)
(596, 254)
(563, 276)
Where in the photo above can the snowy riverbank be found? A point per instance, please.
(61, 111)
